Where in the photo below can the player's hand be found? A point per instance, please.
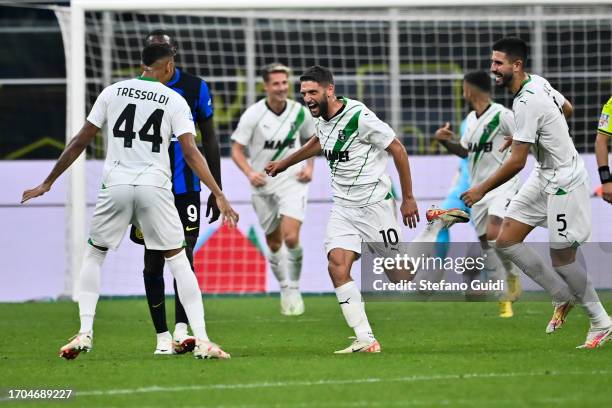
(444, 133)
(305, 174)
(228, 215)
(472, 196)
(35, 192)
(257, 179)
(275, 167)
(606, 192)
(410, 212)
(212, 209)
(507, 143)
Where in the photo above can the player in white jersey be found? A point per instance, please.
(486, 126)
(356, 144)
(272, 129)
(555, 196)
(136, 187)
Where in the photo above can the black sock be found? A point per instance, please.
(179, 312)
(154, 286)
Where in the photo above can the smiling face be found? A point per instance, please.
(503, 68)
(277, 87)
(316, 97)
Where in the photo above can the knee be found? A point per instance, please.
(501, 244)
(338, 271)
(562, 257)
(274, 245)
(291, 239)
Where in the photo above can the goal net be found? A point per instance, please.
(405, 62)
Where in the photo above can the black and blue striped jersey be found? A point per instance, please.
(195, 91)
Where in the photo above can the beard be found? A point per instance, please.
(506, 79)
(322, 106)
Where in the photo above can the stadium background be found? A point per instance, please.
(406, 64)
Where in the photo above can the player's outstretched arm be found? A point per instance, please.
(445, 136)
(510, 168)
(74, 148)
(256, 178)
(210, 150)
(197, 163)
(601, 153)
(310, 149)
(408, 208)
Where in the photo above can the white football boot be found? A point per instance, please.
(207, 350)
(295, 303)
(559, 316)
(78, 343)
(164, 344)
(285, 301)
(448, 217)
(358, 346)
(596, 338)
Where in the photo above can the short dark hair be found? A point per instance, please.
(272, 68)
(479, 79)
(514, 47)
(154, 52)
(162, 33)
(318, 74)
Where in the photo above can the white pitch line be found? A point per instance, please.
(373, 380)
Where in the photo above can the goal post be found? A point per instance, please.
(404, 58)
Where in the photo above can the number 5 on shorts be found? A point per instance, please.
(561, 219)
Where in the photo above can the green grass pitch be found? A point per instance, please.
(434, 354)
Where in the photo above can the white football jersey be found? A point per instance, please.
(141, 115)
(483, 136)
(539, 120)
(354, 143)
(270, 137)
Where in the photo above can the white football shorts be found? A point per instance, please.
(290, 201)
(348, 227)
(150, 208)
(567, 215)
(495, 204)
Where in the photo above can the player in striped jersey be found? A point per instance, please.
(186, 189)
(271, 129)
(555, 196)
(486, 126)
(356, 144)
(604, 131)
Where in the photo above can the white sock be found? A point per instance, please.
(530, 262)
(294, 266)
(510, 268)
(277, 264)
(189, 293)
(353, 309)
(495, 270)
(582, 287)
(89, 286)
(180, 328)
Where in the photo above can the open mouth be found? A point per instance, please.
(313, 107)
